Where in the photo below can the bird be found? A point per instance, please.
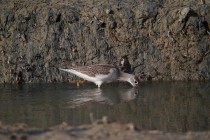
(101, 73)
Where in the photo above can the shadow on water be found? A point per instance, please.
(166, 106)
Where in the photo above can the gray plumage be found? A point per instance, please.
(101, 73)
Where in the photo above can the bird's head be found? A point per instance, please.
(134, 81)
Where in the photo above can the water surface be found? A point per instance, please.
(166, 106)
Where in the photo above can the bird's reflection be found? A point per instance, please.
(107, 96)
(129, 94)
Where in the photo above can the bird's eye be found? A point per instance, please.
(136, 82)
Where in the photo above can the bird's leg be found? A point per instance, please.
(98, 83)
(80, 82)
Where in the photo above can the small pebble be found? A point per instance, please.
(104, 120)
(130, 127)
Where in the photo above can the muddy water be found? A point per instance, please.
(166, 106)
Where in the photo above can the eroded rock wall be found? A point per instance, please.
(163, 39)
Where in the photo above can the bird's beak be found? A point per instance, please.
(136, 86)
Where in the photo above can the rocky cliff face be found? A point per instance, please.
(163, 39)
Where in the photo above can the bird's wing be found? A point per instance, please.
(103, 69)
(80, 74)
(95, 73)
(94, 70)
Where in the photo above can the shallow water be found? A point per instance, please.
(166, 106)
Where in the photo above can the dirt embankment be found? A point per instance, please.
(163, 39)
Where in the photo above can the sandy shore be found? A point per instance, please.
(101, 129)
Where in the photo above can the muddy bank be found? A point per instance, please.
(101, 129)
(164, 40)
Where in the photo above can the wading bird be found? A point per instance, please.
(100, 74)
